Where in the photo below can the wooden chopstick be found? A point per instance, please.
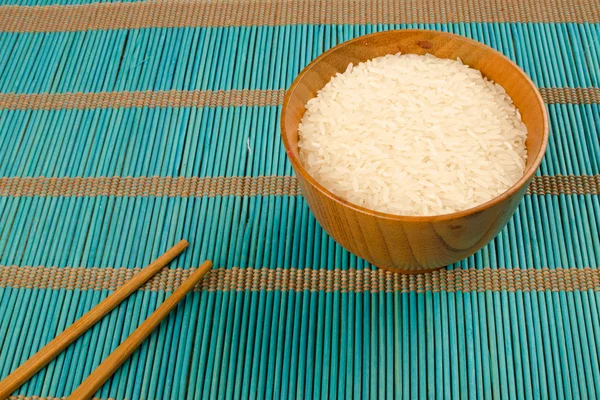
(59, 343)
(108, 367)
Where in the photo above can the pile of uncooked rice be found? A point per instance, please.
(413, 135)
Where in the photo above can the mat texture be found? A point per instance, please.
(126, 126)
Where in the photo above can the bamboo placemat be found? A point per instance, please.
(127, 126)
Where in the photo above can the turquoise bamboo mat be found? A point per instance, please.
(125, 127)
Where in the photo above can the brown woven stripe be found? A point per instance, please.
(207, 98)
(228, 186)
(173, 98)
(21, 397)
(184, 13)
(155, 186)
(561, 184)
(251, 279)
(570, 95)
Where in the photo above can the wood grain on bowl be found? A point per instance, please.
(414, 244)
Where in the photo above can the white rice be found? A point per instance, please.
(413, 135)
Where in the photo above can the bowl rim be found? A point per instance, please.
(529, 172)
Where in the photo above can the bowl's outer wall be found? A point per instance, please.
(408, 246)
(413, 245)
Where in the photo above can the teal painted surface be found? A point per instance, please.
(259, 57)
(270, 231)
(211, 142)
(277, 344)
(271, 343)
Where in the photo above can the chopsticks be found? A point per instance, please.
(59, 343)
(108, 367)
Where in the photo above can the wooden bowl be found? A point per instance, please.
(401, 243)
